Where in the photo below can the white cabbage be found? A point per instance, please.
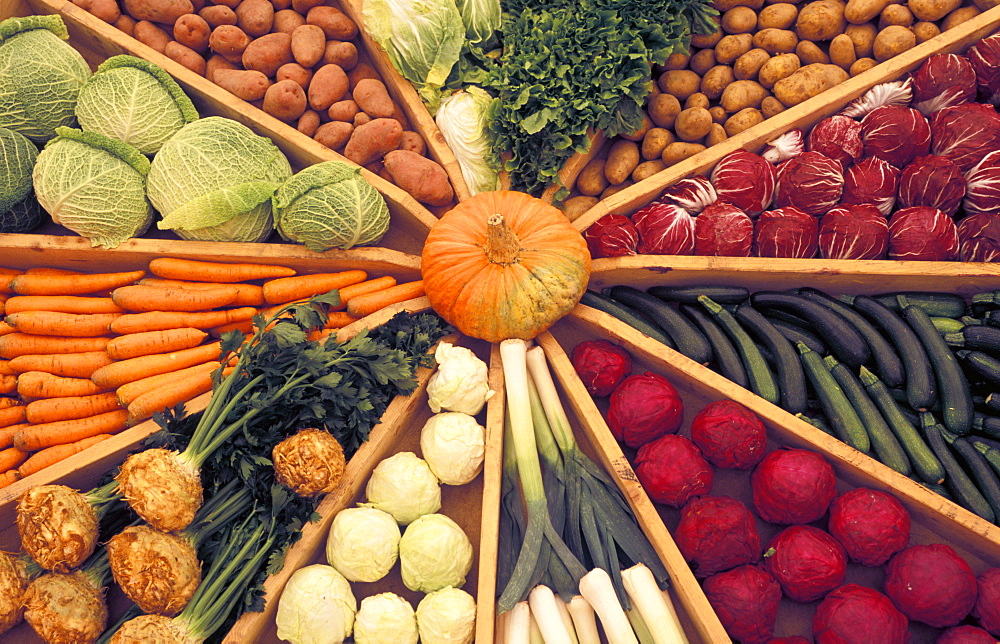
(329, 205)
(363, 543)
(316, 607)
(460, 382)
(214, 180)
(93, 185)
(135, 101)
(481, 19)
(385, 617)
(447, 616)
(40, 76)
(17, 158)
(454, 445)
(434, 552)
(404, 486)
(462, 119)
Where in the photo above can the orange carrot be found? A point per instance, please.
(68, 365)
(36, 437)
(51, 270)
(51, 455)
(181, 390)
(12, 415)
(8, 402)
(199, 271)
(368, 303)
(6, 328)
(287, 289)
(7, 434)
(41, 384)
(63, 284)
(6, 276)
(19, 344)
(8, 384)
(368, 286)
(12, 457)
(80, 325)
(246, 326)
(134, 345)
(132, 390)
(62, 303)
(49, 410)
(118, 373)
(3, 303)
(5, 368)
(9, 477)
(159, 320)
(339, 319)
(145, 297)
(246, 294)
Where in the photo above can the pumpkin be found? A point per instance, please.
(504, 264)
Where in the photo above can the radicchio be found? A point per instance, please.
(786, 232)
(892, 93)
(811, 182)
(982, 190)
(612, 236)
(942, 81)
(723, 230)
(664, 229)
(853, 231)
(965, 133)
(838, 137)
(922, 233)
(979, 237)
(691, 194)
(984, 57)
(896, 134)
(873, 181)
(787, 145)
(745, 180)
(932, 181)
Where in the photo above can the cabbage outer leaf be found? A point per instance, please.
(481, 18)
(462, 119)
(423, 38)
(17, 158)
(219, 206)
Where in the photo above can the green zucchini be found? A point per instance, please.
(759, 374)
(817, 422)
(946, 305)
(948, 325)
(977, 338)
(837, 408)
(785, 359)
(845, 343)
(989, 449)
(988, 297)
(993, 403)
(983, 364)
(964, 491)
(986, 426)
(725, 357)
(978, 467)
(689, 340)
(718, 294)
(635, 319)
(796, 334)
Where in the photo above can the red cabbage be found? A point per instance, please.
(987, 609)
(716, 533)
(982, 190)
(965, 634)
(873, 181)
(931, 584)
(612, 236)
(984, 56)
(691, 194)
(672, 470)
(644, 407)
(965, 133)
(871, 525)
(812, 182)
(792, 486)
(979, 237)
(838, 137)
(664, 229)
(746, 599)
(932, 181)
(745, 180)
(601, 365)
(922, 233)
(785, 146)
(806, 561)
(723, 230)
(854, 613)
(942, 81)
(853, 231)
(730, 435)
(786, 232)
(895, 134)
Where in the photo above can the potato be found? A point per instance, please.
(198, 5)
(106, 10)
(821, 20)
(413, 142)
(895, 14)
(663, 110)
(742, 120)
(932, 10)
(591, 180)
(576, 206)
(702, 61)
(295, 72)
(329, 85)
(842, 51)
(611, 190)
(192, 31)
(679, 82)
(679, 150)
(716, 80)
(862, 65)
(719, 114)
(218, 14)
(361, 118)
(255, 17)
(676, 60)
(344, 54)
(185, 56)
(268, 53)
(808, 81)
(308, 123)
(647, 169)
(742, 94)
(287, 20)
(423, 178)
(162, 11)
(308, 44)
(151, 35)
(704, 41)
(892, 40)
(771, 106)
(776, 41)
(636, 135)
(125, 24)
(859, 12)
(924, 31)
(359, 72)
(215, 63)
(249, 85)
(748, 65)
(334, 134)
(623, 156)
(230, 42)
(285, 100)
(653, 143)
(334, 22)
(281, 5)
(697, 100)
(781, 66)
(371, 140)
(863, 37)
(732, 47)
(725, 5)
(694, 123)
(303, 6)
(739, 20)
(344, 110)
(716, 135)
(985, 5)
(372, 97)
(809, 53)
(232, 4)
(958, 16)
(780, 15)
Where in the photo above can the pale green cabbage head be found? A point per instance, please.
(434, 552)
(460, 382)
(40, 76)
(214, 179)
(454, 445)
(363, 543)
(385, 617)
(135, 101)
(317, 606)
(481, 19)
(464, 126)
(19, 211)
(93, 185)
(447, 616)
(329, 205)
(404, 486)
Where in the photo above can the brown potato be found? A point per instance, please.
(294, 72)
(862, 65)
(285, 101)
(704, 41)
(697, 100)
(591, 180)
(776, 41)
(191, 30)
(663, 110)
(653, 143)
(334, 22)
(308, 123)
(781, 66)
(719, 114)
(372, 140)
(732, 47)
(198, 5)
(716, 135)
(218, 14)
(702, 61)
(739, 20)
(725, 5)
(125, 24)
(771, 106)
(303, 6)
(372, 98)
(151, 35)
(809, 53)
(895, 14)
(859, 12)
(679, 150)
(808, 81)
(344, 54)
(958, 16)
(106, 10)
(268, 53)
(748, 65)
(162, 11)
(216, 62)
(821, 20)
(361, 118)
(924, 31)
(255, 17)
(676, 60)
(308, 44)
(985, 5)
(745, 118)
(744, 93)
(413, 142)
(359, 72)
(716, 80)
(647, 169)
(932, 10)
(344, 110)
(185, 56)
(249, 85)
(329, 85)
(287, 20)
(281, 5)
(693, 124)
(400, 116)
(863, 37)
(576, 206)
(230, 42)
(780, 15)
(679, 82)
(232, 4)
(892, 40)
(623, 156)
(334, 134)
(612, 190)
(842, 51)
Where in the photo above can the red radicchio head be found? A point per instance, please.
(812, 182)
(984, 56)
(838, 137)
(730, 435)
(785, 146)
(965, 133)
(922, 233)
(854, 613)
(853, 231)
(691, 194)
(931, 584)
(745, 180)
(806, 561)
(672, 470)
(873, 181)
(644, 407)
(723, 230)
(897, 92)
(746, 600)
(987, 609)
(982, 189)
(716, 533)
(871, 525)
(786, 232)
(601, 365)
(895, 134)
(612, 236)
(965, 634)
(942, 81)
(792, 486)
(664, 229)
(932, 181)
(979, 237)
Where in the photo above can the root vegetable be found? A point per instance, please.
(57, 526)
(13, 584)
(159, 571)
(309, 463)
(162, 487)
(66, 607)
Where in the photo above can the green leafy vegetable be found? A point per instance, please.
(481, 19)
(19, 210)
(462, 119)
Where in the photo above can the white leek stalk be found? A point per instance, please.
(567, 620)
(543, 602)
(596, 588)
(584, 620)
(654, 605)
(518, 627)
(535, 633)
(639, 626)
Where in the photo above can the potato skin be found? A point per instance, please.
(779, 67)
(679, 82)
(716, 135)
(745, 118)
(863, 37)
(842, 51)
(958, 16)
(230, 42)
(748, 65)
(250, 85)
(715, 81)
(771, 106)
(697, 99)
(821, 20)
(742, 94)
(106, 10)
(859, 12)
(623, 157)
(702, 61)
(165, 12)
(308, 123)
(423, 178)
(334, 22)
(776, 41)
(413, 142)
(862, 65)
(808, 81)
(285, 100)
(892, 40)
(663, 110)
(693, 124)
(576, 206)
(372, 98)
(372, 140)
(703, 41)
(732, 47)
(151, 35)
(191, 30)
(287, 20)
(924, 31)
(308, 45)
(344, 110)
(185, 56)
(739, 20)
(344, 54)
(932, 10)
(780, 15)
(218, 14)
(809, 53)
(647, 169)
(680, 150)
(591, 181)
(255, 17)
(653, 143)
(329, 85)
(334, 134)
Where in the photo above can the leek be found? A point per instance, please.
(542, 602)
(584, 620)
(653, 606)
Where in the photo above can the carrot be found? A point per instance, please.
(368, 286)
(68, 365)
(12, 415)
(8, 402)
(62, 303)
(7, 275)
(288, 289)
(12, 457)
(80, 325)
(134, 345)
(199, 271)
(72, 284)
(36, 437)
(339, 319)
(368, 303)
(41, 384)
(180, 390)
(51, 455)
(159, 320)
(6, 328)
(5, 368)
(49, 410)
(118, 373)
(246, 294)
(51, 270)
(19, 344)
(7, 434)
(146, 297)
(132, 390)
(9, 477)
(3, 303)
(246, 326)
(8, 383)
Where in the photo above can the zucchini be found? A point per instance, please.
(884, 442)
(978, 467)
(949, 325)
(964, 491)
(988, 298)
(982, 364)
(816, 422)
(796, 334)
(718, 294)
(945, 305)
(989, 449)
(986, 426)
(635, 319)
(992, 317)
(785, 359)
(977, 338)
(925, 463)
(725, 357)
(993, 402)
(759, 374)
(689, 340)
(845, 343)
(920, 388)
(953, 387)
(837, 408)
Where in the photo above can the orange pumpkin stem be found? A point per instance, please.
(502, 244)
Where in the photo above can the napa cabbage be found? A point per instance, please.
(19, 210)
(214, 180)
(481, 19)
(40, 76)
(464, 124)
(135, 101)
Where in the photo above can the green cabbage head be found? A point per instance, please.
(463, 121)
(135, 101)
(434, 552)
(93, 185)
(329, 205)
(19, 211)
(214, 179)
(40, 76)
